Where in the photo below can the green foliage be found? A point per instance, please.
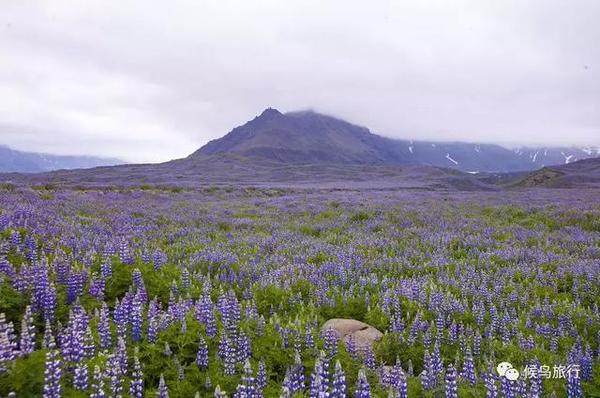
(26, 377)
(12, 303)
(360, 216)
(310, 231)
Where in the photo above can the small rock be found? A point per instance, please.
(364, 335)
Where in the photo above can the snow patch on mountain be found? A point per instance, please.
(567, 157)
(450, 159)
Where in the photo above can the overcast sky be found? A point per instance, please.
(151, 81)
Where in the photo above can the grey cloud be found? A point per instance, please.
(150, 81)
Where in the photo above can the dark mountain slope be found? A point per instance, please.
(580, 174)
(304, 137)
(313, 138)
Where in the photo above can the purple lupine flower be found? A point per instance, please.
(7, 269)
(286, 387)
(223, 345)
(53, 372)
(428, 376)
(399, 382)
(114, 376)
(369, 358)
(205, 315)
(397, 325)
(296, 375)
(202, 354)
(585, 364)
(244, 351)
(338, 384)
(4, 222)
(491, 388)
(136, 277)
(48, 303)
(72, 337)
(152, 329)
(363, 389)
(23, 281)
(261, 378)
(121, 356)
(31, 252)
(319, 381)
(104, 327)
(7, 329)
(247, 387)
(15, 238)
(106, 269)
(451, 387)
(436, 358)
(159, 259)
(427, 337)
(536, 385)
(124, 254)
(163, 390)
(226, 352)
(331, 338)
(153, 308)
(309, 340)
(7, 350)
(48, 336)
(477, 344)
(121, 317)
(185, 278)
(146, 256)
(507, 388)
(468, 372)
(27, 342)
(80, 378)
(554, 343)
(574, 387)
(136, 386)
(136, 318)
(88, 343)
(351, 347)
(75, 283)
(97, 384)
(96, 289)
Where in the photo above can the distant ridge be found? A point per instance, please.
(13, 161)
(583, 173)
(309, 149)
(308, 137)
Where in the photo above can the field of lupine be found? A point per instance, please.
(223, 292)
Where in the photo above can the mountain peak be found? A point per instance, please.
(269, 113)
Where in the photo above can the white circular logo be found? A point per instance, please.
(512, 374)
(506, 369)
(503, 367)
